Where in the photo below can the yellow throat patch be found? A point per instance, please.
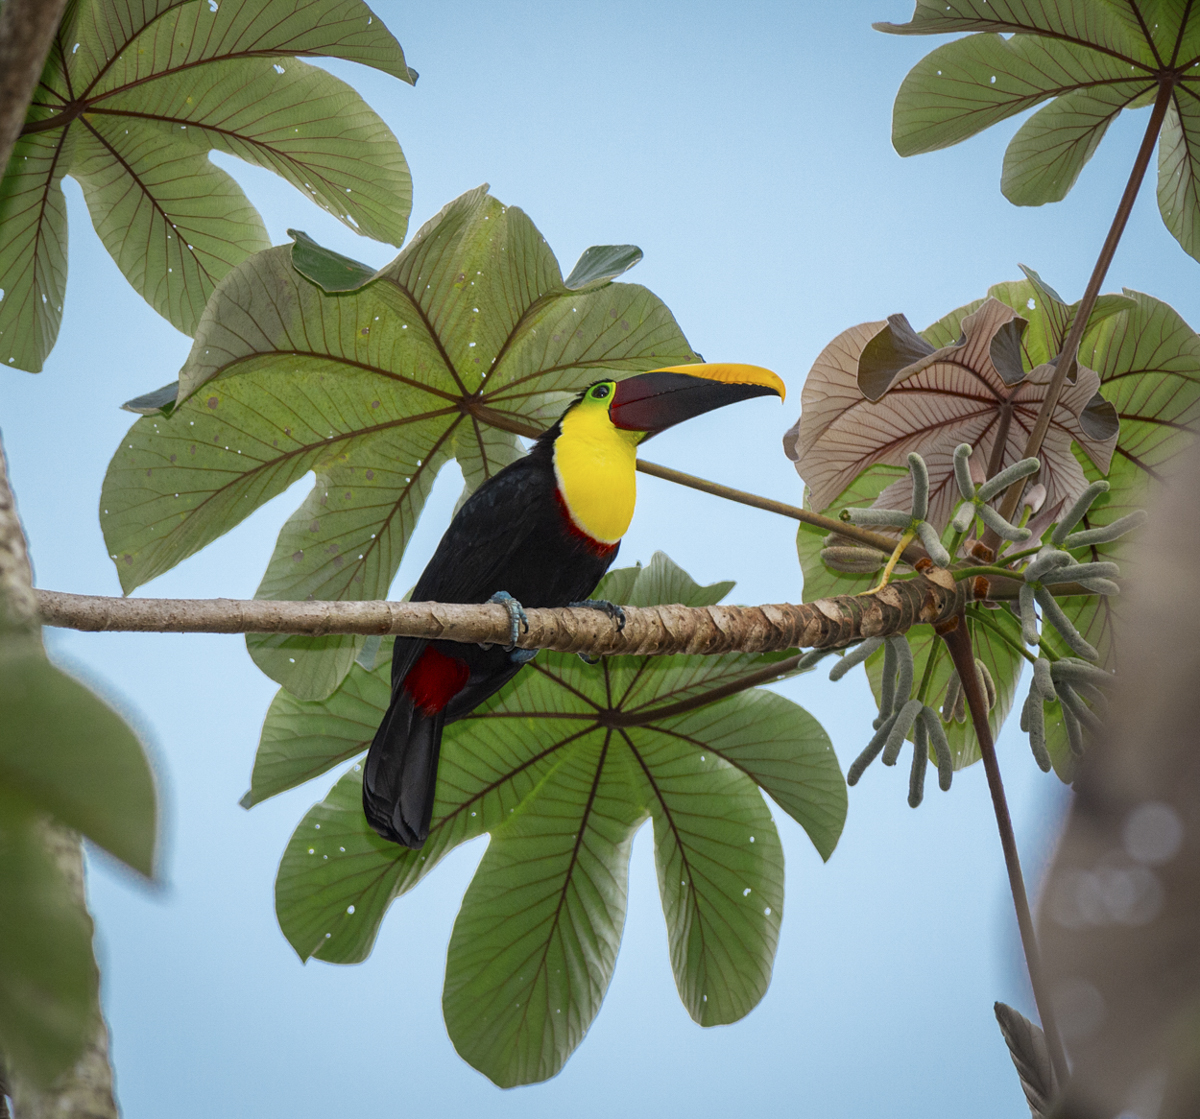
(596, 467)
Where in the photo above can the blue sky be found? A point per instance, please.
(746, 149)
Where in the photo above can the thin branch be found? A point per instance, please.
(911, 554)
(955, 634)
(26, 31)
(826, 623)
(1068, 358)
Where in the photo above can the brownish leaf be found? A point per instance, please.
(880, 390)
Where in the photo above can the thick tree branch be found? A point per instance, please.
(827, 623)
(26, 30)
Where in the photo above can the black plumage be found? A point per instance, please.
(513, 534)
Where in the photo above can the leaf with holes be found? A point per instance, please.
(443, 354)
(880, 391)
(1088, 60)
(134, 97)
(561, 768)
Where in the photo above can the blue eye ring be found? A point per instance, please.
(600, 392)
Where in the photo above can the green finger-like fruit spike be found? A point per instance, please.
(1108, 533)
(916, 775)
(1076, 672)
(1043, 679)
(989, 685)
(1074, 731)
(1029, 625)
(1000, 526)
(941, 747)
(855, 656)
(871, 752)
(1052, 612)
(851, 560)
(1100, 586)
(1094, 696)
(1006, 477)
(887, 686)
(1071, 701)
(890, 518)
(920, 486)
(1082, 504)
(904, 720)
(813, 657)
(933, 544)
(1033, 722)
(1077, 572)
(962, 471)
(963, 516)
(953, 695)
(1046, 560)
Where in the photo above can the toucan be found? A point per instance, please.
(540, 532)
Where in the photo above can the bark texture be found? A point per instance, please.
(86, 1090)
(26, 30)
(826, 623)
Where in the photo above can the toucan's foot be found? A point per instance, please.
(516, 616)
(522, 656)
(587, 658)
(610, 608)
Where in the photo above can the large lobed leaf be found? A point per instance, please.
(373, 386)
(1090, 59)
(880, 391)
(135, 96)
(561, 768)
(1147, 360)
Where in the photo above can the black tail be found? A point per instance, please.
(400, 774)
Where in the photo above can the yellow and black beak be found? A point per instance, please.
(654, 401)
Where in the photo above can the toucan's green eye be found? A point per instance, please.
(600, 392)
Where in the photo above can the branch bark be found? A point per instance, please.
(26, 31)
(827, 623)
(85, 1091)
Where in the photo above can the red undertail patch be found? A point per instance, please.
(435, 680)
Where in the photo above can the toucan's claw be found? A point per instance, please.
(516, 616)
(610, 608)
(587, 658)
(522, 656)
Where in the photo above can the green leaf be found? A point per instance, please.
(601, 263)
(49, 984)
(374, 390)
(970, 84)
(332, 271)
(132, 111)
(1045, 157)
(33, 248)
(561, 767)
(1094, 58)
(531, 954)
(65, 752)
(159, 401)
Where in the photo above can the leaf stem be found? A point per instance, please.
(935, 652)
(885, 544)
(958, 641)
(1068, 357)
(980, 618)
